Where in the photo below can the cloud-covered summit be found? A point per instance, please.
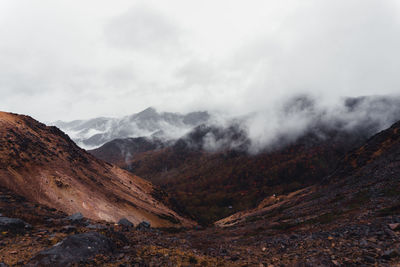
(147, 123)
(286, 122)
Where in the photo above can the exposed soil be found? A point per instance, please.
(44, 165)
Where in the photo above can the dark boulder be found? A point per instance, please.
(143, 225)
(73, 250)
(125, 222)
(96, 226)
(75, 217)
(13, 225)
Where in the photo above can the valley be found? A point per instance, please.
(199, 133)
(331, 201)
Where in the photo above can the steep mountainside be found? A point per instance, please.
(42, 164)
(212, 185)
(351, 217)
(166, 125)
(121, 151)
(210, 174)
(365, 179)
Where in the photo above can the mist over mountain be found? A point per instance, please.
(147, 123)
(273, 127)
(223, 163)
(307, 114)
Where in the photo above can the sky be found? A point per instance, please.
(65, 60)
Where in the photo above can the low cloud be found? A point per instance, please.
(305, 114)
(95, 58)
(295, 118)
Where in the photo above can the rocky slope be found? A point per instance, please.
(53, 239)
(212, 172)
(351, 217)
(210, 185)
(42, 164)
(365, 179)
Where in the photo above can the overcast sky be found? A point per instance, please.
(81, 59)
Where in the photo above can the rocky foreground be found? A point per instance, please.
(41, 236)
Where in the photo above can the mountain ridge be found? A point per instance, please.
(365, 178)
(212, 172)
(44, 165)
(166, 125)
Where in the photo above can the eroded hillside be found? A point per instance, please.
(44, 165)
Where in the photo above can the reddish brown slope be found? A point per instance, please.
(213, 185)
(364, 185)
(42, 164)
(352, 218)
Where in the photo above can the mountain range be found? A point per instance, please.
(165, 125)
(325, 195)
(212, 172)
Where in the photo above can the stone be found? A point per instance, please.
(13, 225)
(125, 222)
(73, 249)
(369, 259)
(75, 217)
(143, 225)
(391, 253)
(96, 226)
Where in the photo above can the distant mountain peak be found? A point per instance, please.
(147, 113)
(98, 131)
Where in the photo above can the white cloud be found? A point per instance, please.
(94, 58)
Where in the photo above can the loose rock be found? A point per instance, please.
(125, 222)
(75, 217)
(73, 249)
(143, 225)
(13, 225)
